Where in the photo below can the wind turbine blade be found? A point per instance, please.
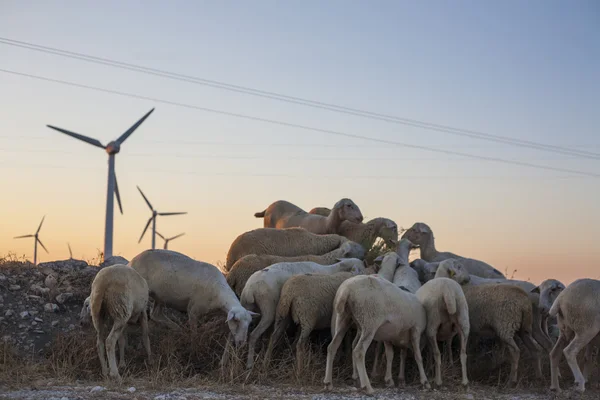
(175, 237)
(129, 131)
(70, 252)
(173, 213)
(94, 142)
(40, 227)
(146, 228)
(145, 198)
(161, 236)
(42, 244)
(118, 195)
(24, 236)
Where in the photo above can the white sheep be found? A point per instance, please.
(381, 311)
(324, 211)
(367, 233)
(447, 314)
(425, 270)
(577, 309)
(501, 310)
(121, 294)
(289, 242)
(548, 291)
(243, 268)
(263, 289)
(191, 286)
(422, 235)
(283, 214)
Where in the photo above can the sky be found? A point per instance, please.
(523, 70)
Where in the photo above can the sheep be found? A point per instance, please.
(283, 214)
(367, 233)
(121, 294)
(324, 211)
(244, 267)
(425, 270)
(191, 286)
(306, 299)
(539, 333)
(289, 242)
(577, 309)
(381, 311)
(422, 235)
(548, 291)
(500, 310)
(263, 289)
(447, 314)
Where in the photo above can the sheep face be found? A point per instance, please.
(85, 315)
(352, 250)
(353, 265)
(419, 233)
(348, 211)
(548, 291)
(456, 271)
(238, 320)
(389, 233)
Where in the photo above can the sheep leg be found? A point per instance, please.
(416, 344)
(354, 341)
(555, 355)
(389, 357)
(122, 342)
(401, 374)
(301, 346)
(577, 344)
(157, 315)
(378, 352)
(437, 357)
(111, 342)
(226, 350)
(514, 355)
(266, 320)
(341, 327)
(358, 355)
(538, 333)
(464, 336)
(533, 347)
(145, 338)
(588, 362)
(100, 335)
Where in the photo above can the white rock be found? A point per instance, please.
(131, 390)
(97, 389)
(50, 307)
(36, 319)
(2, 277)
(50, 281)
(24, 314)
(14, 288)
(9, 313)
(54, 323)
(61, 298)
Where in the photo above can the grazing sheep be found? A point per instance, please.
(283, 214)
(548, 291)
(577, 309)
(263, 289)
(289, 242)
(425, 270)
(539, 333)
(191, 286)
(324, 211)
(422, 235)
(447, 314)
(381, 311)
(367, 233)
(244, 267)
(499, 310)
(307, 300)
(121, 294)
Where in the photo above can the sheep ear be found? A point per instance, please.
(230, 316)
(536, 290)
(378, 260)
(253, 314)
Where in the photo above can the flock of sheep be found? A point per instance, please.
(310, 268)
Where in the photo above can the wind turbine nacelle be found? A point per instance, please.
(113, 147)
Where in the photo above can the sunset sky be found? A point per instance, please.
(523, 70)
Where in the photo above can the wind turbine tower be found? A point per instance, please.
(153, 219)
(112, 149)
(37, 240)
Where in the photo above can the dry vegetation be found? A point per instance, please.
(183, 360)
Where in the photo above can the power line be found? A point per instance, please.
(304, 127)
(301, 101)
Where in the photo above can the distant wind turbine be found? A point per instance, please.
(167, 240)
(70, 252)
(153, 219)
(112, 149)
(37, 240)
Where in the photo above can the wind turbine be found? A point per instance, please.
(70, 252)
(112, 149)
(153, 219)
(167, 240)
(37, 240)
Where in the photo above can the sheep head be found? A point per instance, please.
(85, 315)
(548, 291)
(454, 270)
(346, 210)
(353, 265)
(420, 233)
(352, 249)
(238, 320)
(388, 232)
(403, 249)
